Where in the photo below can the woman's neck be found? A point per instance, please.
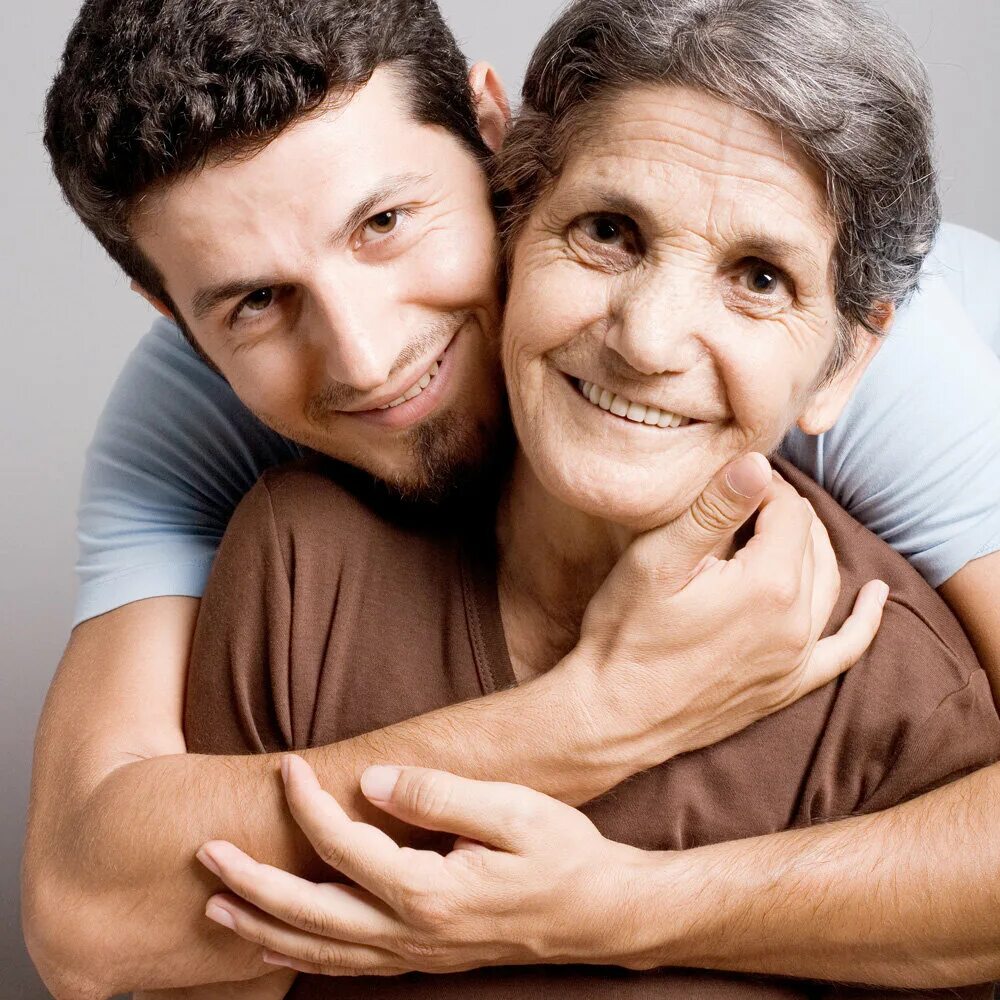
(552, 560)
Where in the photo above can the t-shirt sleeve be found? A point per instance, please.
(915, 457)
(236, 699)
(173, 453)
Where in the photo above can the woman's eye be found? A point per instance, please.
(608, 230)
(763, 278)
(383, 223)
(612, 232)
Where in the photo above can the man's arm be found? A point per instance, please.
(908, 897)
(113, 896)
(112, 890)
(905, 898)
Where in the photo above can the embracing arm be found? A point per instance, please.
(113, 896)
(908, 897)
(905, 898)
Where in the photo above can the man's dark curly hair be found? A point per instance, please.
(150, 90)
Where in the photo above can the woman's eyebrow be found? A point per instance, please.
(774, 248)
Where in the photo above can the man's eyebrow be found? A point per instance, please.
(207, 299)
(389, 188)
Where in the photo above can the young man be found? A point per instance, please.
(328, 277)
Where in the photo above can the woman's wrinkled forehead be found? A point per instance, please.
(680, 160)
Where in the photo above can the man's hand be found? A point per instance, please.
(530, 880)
(676, 654)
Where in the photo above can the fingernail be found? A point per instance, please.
(379, 781)
(883, 593)
(205, 857)
(749, 475)
(285, 768)
(220, 915)
(273, 958)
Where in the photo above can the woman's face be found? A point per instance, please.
(678, 272)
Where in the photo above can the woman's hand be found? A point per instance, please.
(680, 652)
(530, 880)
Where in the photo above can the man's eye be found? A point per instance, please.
(762, 278)
(259, 300)
(383, 223)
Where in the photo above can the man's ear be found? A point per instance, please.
(826, 405)
(162, 308)
(492, 106)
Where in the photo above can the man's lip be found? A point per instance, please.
(414, 375)
(413, 411)
(575, 380)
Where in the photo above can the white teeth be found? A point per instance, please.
(415, 389)
(636, 412)
(621, 407)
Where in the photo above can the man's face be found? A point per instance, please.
(343, 280)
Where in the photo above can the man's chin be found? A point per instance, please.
(453, 459)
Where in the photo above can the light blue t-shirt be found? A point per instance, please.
(915, 457)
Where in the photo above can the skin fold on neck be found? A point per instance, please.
(552, 559)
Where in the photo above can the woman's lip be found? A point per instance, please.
(573, 384)
(414, 410)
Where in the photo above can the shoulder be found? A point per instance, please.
(916, 710)
(336, 515)
(915, 616)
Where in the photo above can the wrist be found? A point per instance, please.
(625, 728)
(650, 927)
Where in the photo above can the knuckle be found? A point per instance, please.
(798, 631)
(331, 850)
(428, 795)
(711, 514)
(782, 591)
(322, 954)
(524, 817)
(433, 914)
(308, 918)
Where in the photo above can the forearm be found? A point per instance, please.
(905, 898)
(118, 877)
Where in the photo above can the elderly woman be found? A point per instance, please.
(713, 214)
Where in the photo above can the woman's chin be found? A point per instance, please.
(626, 501)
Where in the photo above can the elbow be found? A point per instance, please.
(60, 938)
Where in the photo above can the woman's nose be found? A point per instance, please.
(659, 322)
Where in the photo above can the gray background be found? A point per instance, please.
(69, 320)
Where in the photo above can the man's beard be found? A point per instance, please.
(456, 461)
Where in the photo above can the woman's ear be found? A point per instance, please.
(826, 405)
(492, 107)
(157, 304)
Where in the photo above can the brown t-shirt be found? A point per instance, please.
(330, 614)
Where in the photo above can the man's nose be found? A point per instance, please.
(358, 330)
(658, 323)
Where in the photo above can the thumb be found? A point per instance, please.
(732, 496)
(494, 813)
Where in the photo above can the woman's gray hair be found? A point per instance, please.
(834, 76)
